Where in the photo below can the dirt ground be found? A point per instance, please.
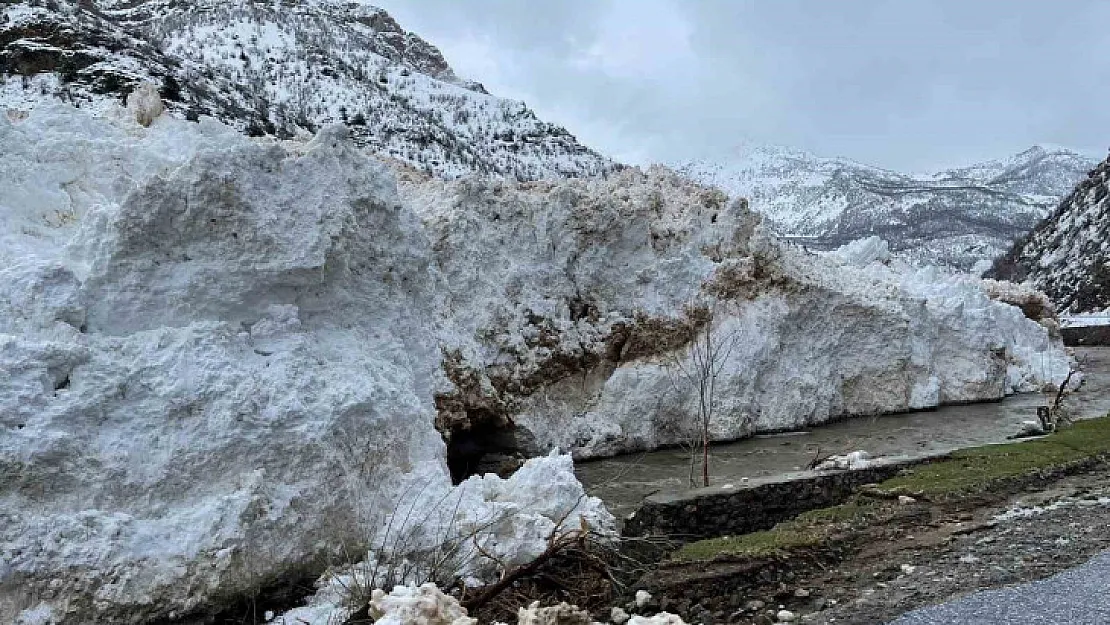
(1028, 537)
(928, 554)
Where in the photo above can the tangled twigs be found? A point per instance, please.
(557, 544)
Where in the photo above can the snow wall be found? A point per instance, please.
(222, 358)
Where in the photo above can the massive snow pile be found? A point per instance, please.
(1067, 255)
(583, 293)
(201, 340)
(223, 357)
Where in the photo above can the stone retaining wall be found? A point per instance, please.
(741, 508)
(1086, 335)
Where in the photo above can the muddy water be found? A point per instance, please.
(622, 482)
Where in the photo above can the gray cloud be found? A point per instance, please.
(905, 85)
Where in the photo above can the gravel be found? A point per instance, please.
(1031, 537)
(1077, 597)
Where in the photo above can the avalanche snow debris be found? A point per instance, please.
(425, 605)
(862, 252)
(218, 359)
(594, 286)
(1032, 302)
(850, 461)
(145, 103)
(223, 359)
(428, 605)
(562, 614)
(663, 618)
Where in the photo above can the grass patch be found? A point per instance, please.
(966, 471)
(978, 468)
(774, 541)
(1091, 436)
(807, 530)
(843, 513)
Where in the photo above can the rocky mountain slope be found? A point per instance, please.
(1066, 255)
(958, 217)
(282, 68)
(224, 359)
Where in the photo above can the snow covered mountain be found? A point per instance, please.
(957, 217)
(282, 67)
(1068, 254)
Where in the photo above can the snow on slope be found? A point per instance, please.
(222, 357)
(1067, 255)
(956, 217)
(276, 67)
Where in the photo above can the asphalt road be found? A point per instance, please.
(1079, 596)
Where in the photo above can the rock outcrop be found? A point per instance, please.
(1066, 255)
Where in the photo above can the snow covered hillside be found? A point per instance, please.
(958, 217)
(222, 358)
(288, 68)
(269, 67)
(1066, 255)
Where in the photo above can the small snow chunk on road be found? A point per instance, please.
(145, 103)
(426, 605)
(663, 618)
(850, 461)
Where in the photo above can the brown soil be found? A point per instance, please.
(908, 555)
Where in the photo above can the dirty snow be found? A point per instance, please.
(222, 358)
(218, 359)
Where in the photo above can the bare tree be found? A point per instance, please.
(697, 369)
(1054, 413)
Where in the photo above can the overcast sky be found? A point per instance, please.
(904, 84)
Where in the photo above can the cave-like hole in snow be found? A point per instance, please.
(275, 595)
(486, 447)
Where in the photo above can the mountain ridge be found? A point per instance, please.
(958, 217)
(282, 68)
(1067, 254)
